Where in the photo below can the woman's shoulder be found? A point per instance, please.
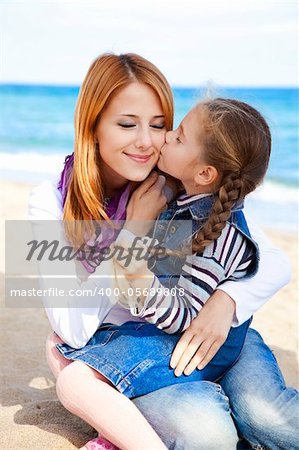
(45, 201)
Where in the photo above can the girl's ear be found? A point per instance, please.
(206, 175)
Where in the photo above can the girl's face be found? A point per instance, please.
(182, 155)
(130, 134)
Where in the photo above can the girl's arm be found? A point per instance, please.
(74, 318)
(173, 310)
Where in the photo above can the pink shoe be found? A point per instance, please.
(99, 443)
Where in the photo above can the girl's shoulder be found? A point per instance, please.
(230, 242)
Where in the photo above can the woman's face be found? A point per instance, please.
(130, 134)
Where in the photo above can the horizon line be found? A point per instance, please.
(175, 86)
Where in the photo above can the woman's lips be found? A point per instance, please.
(139, 158)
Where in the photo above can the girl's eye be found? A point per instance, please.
(126, 125)
(178, 140)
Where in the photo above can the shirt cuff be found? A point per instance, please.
(125, 239)
(141, 311)
(134, 246)
(241, 313)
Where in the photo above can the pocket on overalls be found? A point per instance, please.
(102, 337)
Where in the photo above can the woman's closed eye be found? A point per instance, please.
(132, 125)
(158, 127)
(127, 125)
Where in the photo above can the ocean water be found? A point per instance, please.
(37, 132)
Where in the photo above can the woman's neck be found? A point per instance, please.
(112, 183)
(110, 191)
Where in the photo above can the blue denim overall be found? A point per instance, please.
(135, 356)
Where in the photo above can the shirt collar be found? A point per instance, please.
(186, 199)
(200, 205)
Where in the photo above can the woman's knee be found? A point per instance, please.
(194, 428)
(191, 415)
(268, 420)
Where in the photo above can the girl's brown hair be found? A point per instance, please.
(237, 142)
(106, 76)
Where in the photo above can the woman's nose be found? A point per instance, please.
(144, 139)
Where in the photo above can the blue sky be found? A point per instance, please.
(232, 43)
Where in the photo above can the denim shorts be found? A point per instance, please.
(135, 356)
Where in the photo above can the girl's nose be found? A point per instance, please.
(168, 137)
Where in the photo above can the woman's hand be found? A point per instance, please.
(206, 334)
(145, 204)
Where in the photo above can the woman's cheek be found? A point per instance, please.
(161, 140)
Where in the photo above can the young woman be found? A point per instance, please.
(135, 129)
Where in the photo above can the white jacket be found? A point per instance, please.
(76, 325)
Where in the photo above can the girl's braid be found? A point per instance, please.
(229, 193)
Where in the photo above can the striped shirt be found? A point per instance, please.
(172, 310)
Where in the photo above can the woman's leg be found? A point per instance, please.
(190, 416)
(55, 360)
(264, 409)
(87, 394)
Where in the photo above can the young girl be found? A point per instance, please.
(124, 107)
(220, 153)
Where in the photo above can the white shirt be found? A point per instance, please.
(76, 325)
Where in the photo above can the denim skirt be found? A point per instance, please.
(135, 356)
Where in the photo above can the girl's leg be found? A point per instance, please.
(87, 394)
(190, 416)
(55, 360)
(264, 409)
(183, 415)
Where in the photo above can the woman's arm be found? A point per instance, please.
(239, 300)
(75, 318)
(274, 272)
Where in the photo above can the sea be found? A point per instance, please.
(37, 133)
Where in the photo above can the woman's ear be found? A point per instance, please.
(206, 175)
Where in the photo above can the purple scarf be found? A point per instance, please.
(115, 209)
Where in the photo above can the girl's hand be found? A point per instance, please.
(145, 204)
(172, 187)
(205, 335)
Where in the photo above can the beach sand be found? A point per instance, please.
(32, 418)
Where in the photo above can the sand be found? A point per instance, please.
(31, 416)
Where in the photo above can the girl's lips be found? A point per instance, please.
(139, 158)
